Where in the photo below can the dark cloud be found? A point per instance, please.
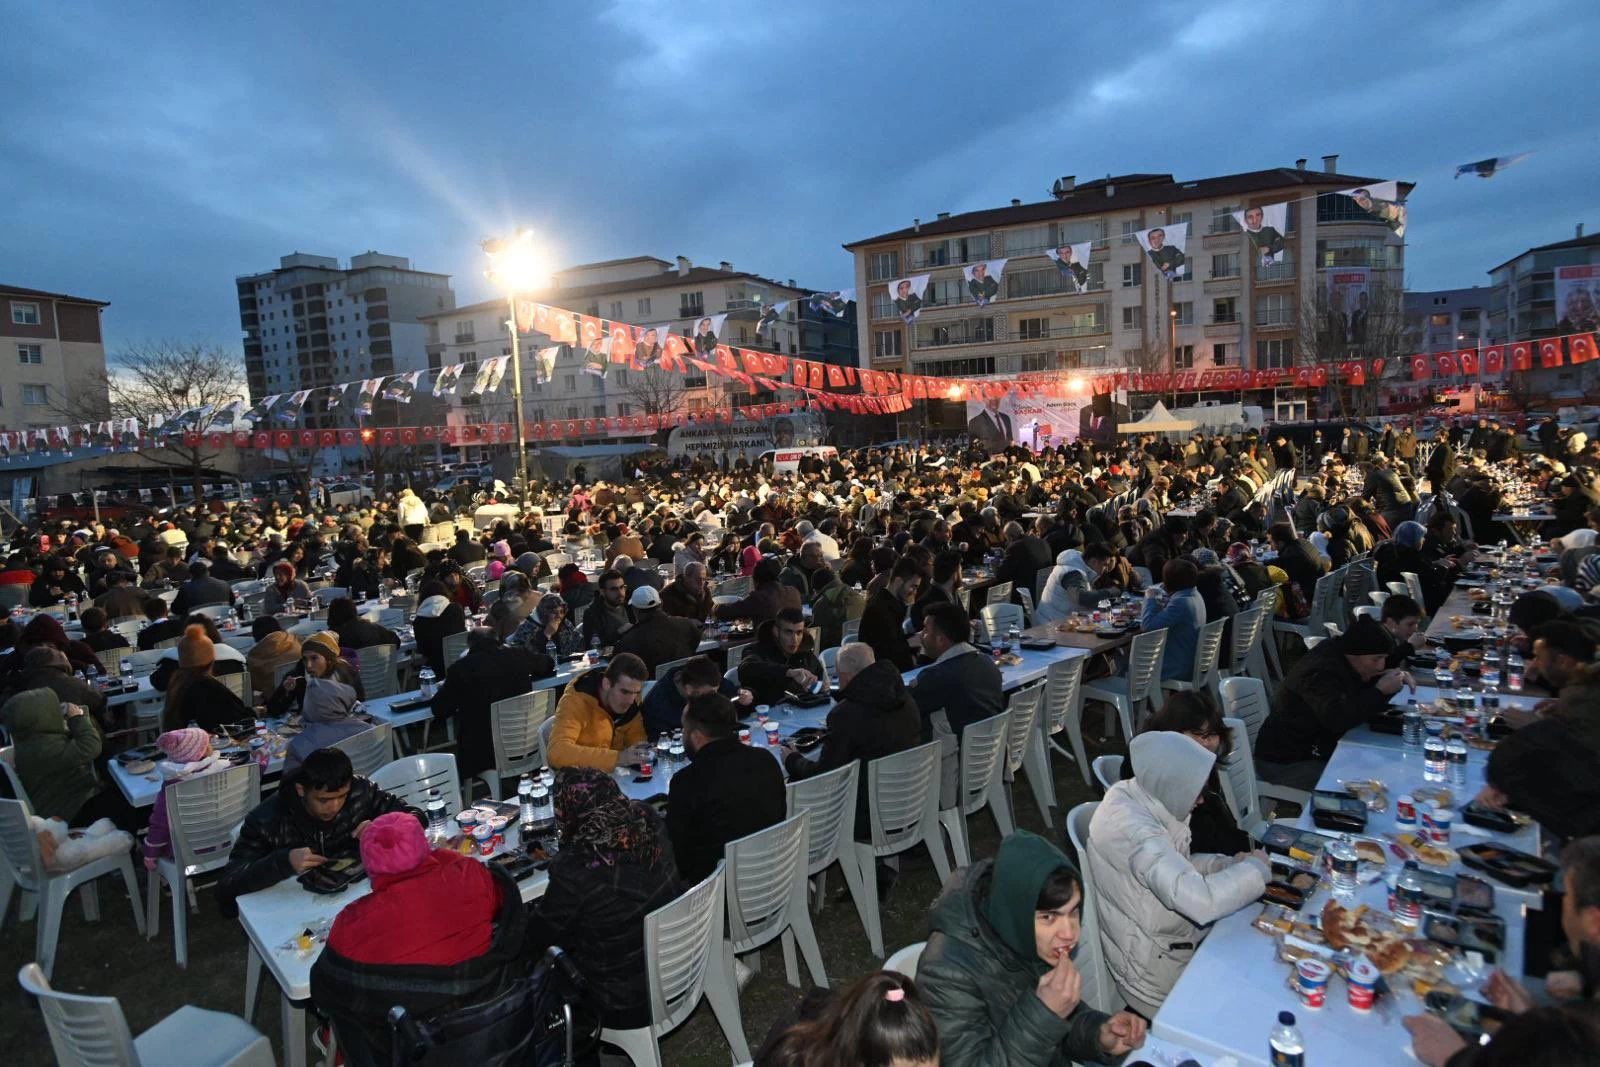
(149, 160)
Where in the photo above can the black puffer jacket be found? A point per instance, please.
(280, 824)
(764, 669)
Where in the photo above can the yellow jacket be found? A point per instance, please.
(585, 734)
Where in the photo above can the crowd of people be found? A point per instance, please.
(1198, 530)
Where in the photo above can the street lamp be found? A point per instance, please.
(1172, 316)
(515, 265)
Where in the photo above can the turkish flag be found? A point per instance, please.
(1550, 352)
(1377, 368)
(1420, 371)
(1358, 374)
(213, 439)
(554, 429)
(263, 440)
(408, 435)
(523, 313)
(1521, 356)
(348, 437)
(622, 343)
(1447, 365)
(588, 427)
(563, 328)
(835, 376)
(1581, 347)
(308, 438)
(1319, 376)
(328, 438)
(241, 439)
(541, 319)
(753, 361)
(673, 349)
(1467, 358)
(191, 438)
(389, 436)
(450, 435)
(430, 433)
(505, 432)
(537, 431)
(590, 330)
(1494, 359)
(283, 439)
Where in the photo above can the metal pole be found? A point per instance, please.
(516, 392)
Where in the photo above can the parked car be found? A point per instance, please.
(348, 494)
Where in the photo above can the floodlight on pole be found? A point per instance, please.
(515, 265)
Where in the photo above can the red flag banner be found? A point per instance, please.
(622, 344)
(1550, 352)
(408, 435)
(590, 330)
(1447, 365)
(1420, 371)
(328, 438)
(1467, 360)
(1494, 359)
(1521, 356)
(1581, 347)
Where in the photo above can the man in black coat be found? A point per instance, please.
(488, 672)
(883, 619)
(962, 686)
(1025, 555)
(466, 550)
(201, 589)
(779, 662)
(875, 717)
(160, 627)
(657, 637)
(1297, 558)
(728, 791)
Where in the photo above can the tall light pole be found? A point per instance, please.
(514, 266)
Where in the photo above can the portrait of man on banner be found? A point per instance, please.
(366, 393)
(707, 330)
(402, 388)
(544, 364)
(907, 295)
(1264, 225)
(1381, 201)
(597, 357)
(490, 373)
(647, 352)
(1348, 306)
(989, 421)
(1073, 263)
(834, 303)
(449, 377)
(983, 280)
(1165, 245)
(1578, 298)
(770, 314)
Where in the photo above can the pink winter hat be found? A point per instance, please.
(393, 844)
(186, 745)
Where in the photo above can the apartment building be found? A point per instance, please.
(1445, 320)
(1232, 311)
(52, 358)
(641, 291)
(1538, 293)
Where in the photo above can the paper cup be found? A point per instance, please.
(1362, 983)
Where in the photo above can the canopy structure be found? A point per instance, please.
(1157, 420)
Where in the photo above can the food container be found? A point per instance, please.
(772, 734)
(744, 737)
(483, 835)
(1311, 982)
(1362, 982)
(1436, 822)
(467, 818)
(1405, 810)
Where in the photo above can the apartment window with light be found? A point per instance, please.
(1132, 317)
(1185, 310)
(30, 354)
(1032, 329)
(35, 396)
(24, 314)
(644, 305)
(1132, 275)
(1183, 357)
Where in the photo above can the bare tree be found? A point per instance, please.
(162, 379)
(656, 391)
(1328, 335)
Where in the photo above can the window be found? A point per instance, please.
(1132, 275)
(972, 366)
(1358, 252)
(33, 354)
(1083, 321)
(569, 382)
(573, 411)
(882, 306)
(35, 396)
(1183, 357)
(1070, 233)
(616, 309)
(1225, 265)
(1220, 354)
(1046, 281)
(943, 292)
(1223, 311)
(1036, 361)
(1129, 228)
(24, 314)
(882, 266)
(1185, 310)
(1222, 220)
(886, 343)
(1029, 239)
(1276, 353)
(599, 411)
(624, 409)
(1274, 309)
(1132, 317)
(691, 304)
(1433, 320)
(1032, 329)
(1182, 218)
(644, 305)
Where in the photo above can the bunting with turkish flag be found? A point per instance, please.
(1447, 365)
(622, 343)
(1550, 352)
(1521, 356)
(1419, 368)
(590, 330)
(1467, 358)
(1494, 359)
(1581, 348)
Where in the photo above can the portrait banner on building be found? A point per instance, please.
(1072, 260)
(836, 302)
(1578, 297)
(490, 373)
(402, 388)
(597, 357)
(1009, 415)
(770, 314)
(1348, 300)
(1265, 226)
(366, 393)
(1382, 201)
(907, 296)
(984, 280)
(1166, 247)
(290, 410)
(544, 364)
(707, 335)
(447, 381)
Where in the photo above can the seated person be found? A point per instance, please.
(997, 970)
(729, 790)
(614, 868)
(55, 751)
(1156, 899)
(489, 672)
(193, 693)
(1560, 650)
(657, 637)
(1182, 616)
(1550, 768)
(355, 631)
(189, 754)
(962, 686)
(97, 634)
(883, 618)
(780, 661)
(1212, 827)
(437, 617)
(1343, 682)
(318, 814)
(598, 721)
(228, 660)
(438, 930)
(1071, 583)
(274, 647)
(328, 715)
(160, 627)
(319, 658)
(875, 716)
(878, 1020)
(663, 706)
(1401, 618)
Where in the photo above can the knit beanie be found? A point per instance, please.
(1367, 637)
(195, 648)
(323, 641)
(186, 745)
(393, 844)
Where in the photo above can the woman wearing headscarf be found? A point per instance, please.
(319, 658)
(614, 868)
(328, 715)
(193, 693)
(1404, 553)
(550, 621)
(574, 587)
(437, 618)
(285, 588)
(47, 630)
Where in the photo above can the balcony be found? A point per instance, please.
(465, 337)
(1274, 320)
(1082, 329)
(1275, 273)
(1223, 326)
(943, 337)
(743, 304)
(691, 311)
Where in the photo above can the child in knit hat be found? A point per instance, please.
(188, 753)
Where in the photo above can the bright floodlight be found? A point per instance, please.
(515, 264)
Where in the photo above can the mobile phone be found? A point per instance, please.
(340, 865)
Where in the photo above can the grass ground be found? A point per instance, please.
(110, 958)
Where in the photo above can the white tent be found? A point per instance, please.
(1157, 420)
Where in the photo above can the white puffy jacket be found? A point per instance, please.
(1059, 597)
(1154, 899)
(413, 512)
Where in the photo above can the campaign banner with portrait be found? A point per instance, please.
(1166, 245)
(983, 280)
(597, 357)
(448, 379)
(1382, 201)
(1578, 298)
(1348, 298)
(907, 296)
(770, 314)
(707, 335)
(490, 373)
(1265, 226)
(835, 302)
(1073, 263)
(544, 364)
(1032, 421)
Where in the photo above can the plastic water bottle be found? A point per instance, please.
(525, 804)
(1514, 673)
(1434, 760)
(1287, 1047)
(1408, 893)
(594, 651)
(553, 652)
(436, 816)
(427, 683)
(1456, 754)
(1412, 728)
(544, 811)
(1344, 861)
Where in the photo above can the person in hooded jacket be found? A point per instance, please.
(319, 658)
(328, 715)
(997, 972)
(1550, 768)
(780, 660)
(598, 721)
(1070, 582)
(1155, 899)
(56, 747)
(437, 618)
(488, 672)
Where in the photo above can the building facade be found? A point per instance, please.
(1445, 320)
(53, 360)
(1526, 301)
(1231, 312)
(640, 291)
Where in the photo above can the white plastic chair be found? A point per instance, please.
(1064, 709)
(1108, 770)
(25, 870)
(830, 662)
(329, 593)
(905, 960)
(1369, 611)
(669, 666)
(735, 654)
(110, 661)
(1245, 699)
(237, 682)
(735, 587)
(1400, 589)
(1128, 694)
(1025, 749)
(412, 778)
(93, 1032)
(1328, 593)
(545, 729)
(129, 629)
(1207, 651)
(685, 956)
(830, 802)
(766, 896)
(369, 749)
(1237, 775)
(1267, 601)
(983, 753)
(145, 661)
(998, 593)
(1097, 990)
(518, 743)
(377, 668)
(203, 814)
(903, 801)
(1413, 586)
(999, 616)
(214, 612)
(1379, 598)
(452, 648)
(1244, 644)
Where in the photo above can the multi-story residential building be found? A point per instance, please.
(1524, 304)
(1446, 320)
(641, 291)
(53, 363)
(313, 323)
(1231, 312)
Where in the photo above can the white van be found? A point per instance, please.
(788, 459)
